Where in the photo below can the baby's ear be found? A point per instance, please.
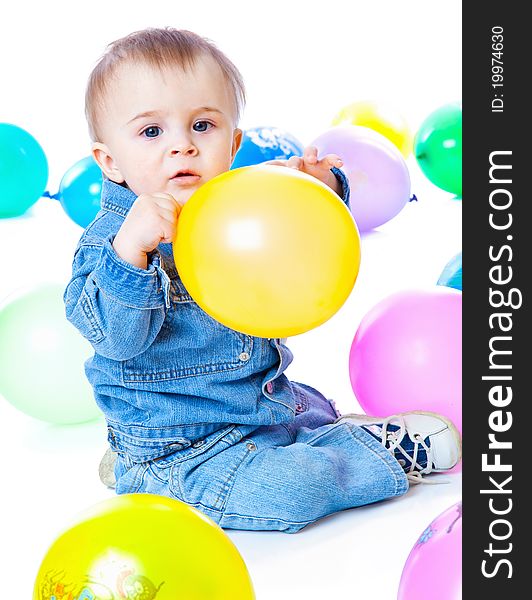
(237, 140)
(102, 156)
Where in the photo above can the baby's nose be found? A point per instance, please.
(183, 146)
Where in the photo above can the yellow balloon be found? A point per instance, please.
(143, 546)
(380, 118)
(267, 250)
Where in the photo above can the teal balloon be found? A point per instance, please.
(80, 189)
(42, 358)
(451, 275)
(438, 147)
(23, 170)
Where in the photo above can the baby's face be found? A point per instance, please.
(167, 131)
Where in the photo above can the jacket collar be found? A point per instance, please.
(116, 198)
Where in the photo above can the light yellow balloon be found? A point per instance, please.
(267, 250)
(143, 546)
(380, 118)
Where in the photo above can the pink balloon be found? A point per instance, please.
(407, 354)
(377, 173)
(433, 568)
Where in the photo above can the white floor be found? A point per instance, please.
(49, 473)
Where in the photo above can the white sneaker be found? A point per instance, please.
(422, 442)
(106, 470)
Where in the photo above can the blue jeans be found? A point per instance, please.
(280, 477)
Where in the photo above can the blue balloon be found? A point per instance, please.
(80, 189)
(260, 144)
(23, 170)
(451, 275)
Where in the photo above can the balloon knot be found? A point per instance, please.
(47, 194)
(413, 199)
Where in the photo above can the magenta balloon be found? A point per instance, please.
(407, 354)
(378, 175)
(433, 568)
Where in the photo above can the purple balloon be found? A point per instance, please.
(433, 568)
(407, 354)
(378, 175)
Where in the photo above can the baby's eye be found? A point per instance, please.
(202, 126)
(152, 131)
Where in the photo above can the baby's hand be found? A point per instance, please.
(319, 168)
(152, 220)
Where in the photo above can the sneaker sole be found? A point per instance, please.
(106, 469)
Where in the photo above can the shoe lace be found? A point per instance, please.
(391, 440)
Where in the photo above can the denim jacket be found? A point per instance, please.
(165, 374)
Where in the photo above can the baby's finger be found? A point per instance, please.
(280, 163)
(170, 214)
(163, 196)
(333, 160)
(295, 162)
(311, 155)
(163, 200)
(168, 232)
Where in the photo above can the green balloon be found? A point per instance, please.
(23, 170)
(42, 357)
(438, 147)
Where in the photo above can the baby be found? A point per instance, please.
(195, 410)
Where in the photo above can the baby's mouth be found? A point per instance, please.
(185, 177)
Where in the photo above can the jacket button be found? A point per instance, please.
(243, 356)
(269, 387)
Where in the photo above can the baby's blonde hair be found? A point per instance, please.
(160, 48)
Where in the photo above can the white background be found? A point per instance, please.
(302, 62)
